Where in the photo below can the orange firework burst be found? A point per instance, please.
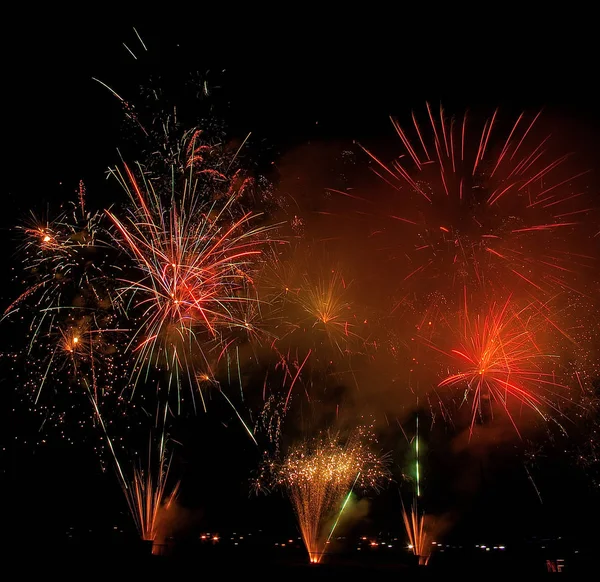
(279, 279)
(482, 211)
(77, 345)
(44, 238)
(315, 303)
(193, 266)
(79, 342)
(324, 300)
(74, 341)
(317, 474)
(498, 358)
(309, 296)
(315, 325)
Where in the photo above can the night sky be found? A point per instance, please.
(322, 83)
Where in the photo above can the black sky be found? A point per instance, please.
(302, 79)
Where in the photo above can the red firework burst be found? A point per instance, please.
(497, 357)
(493, 208)
(191, 273)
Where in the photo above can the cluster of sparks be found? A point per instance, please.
(318, 475)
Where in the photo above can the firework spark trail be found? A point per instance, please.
(339, 515)
(296, 376)
(417, 467)
(244, 424)
(537, 491)
(98, 416)
(317, 474)
(498, 357)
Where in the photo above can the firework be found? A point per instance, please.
(327, 310)
(498, 357)
(184, 265)
(318, 474)
(192, 266)
(309, 301)
(193, 247)
(316, 328)
(492, 208)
